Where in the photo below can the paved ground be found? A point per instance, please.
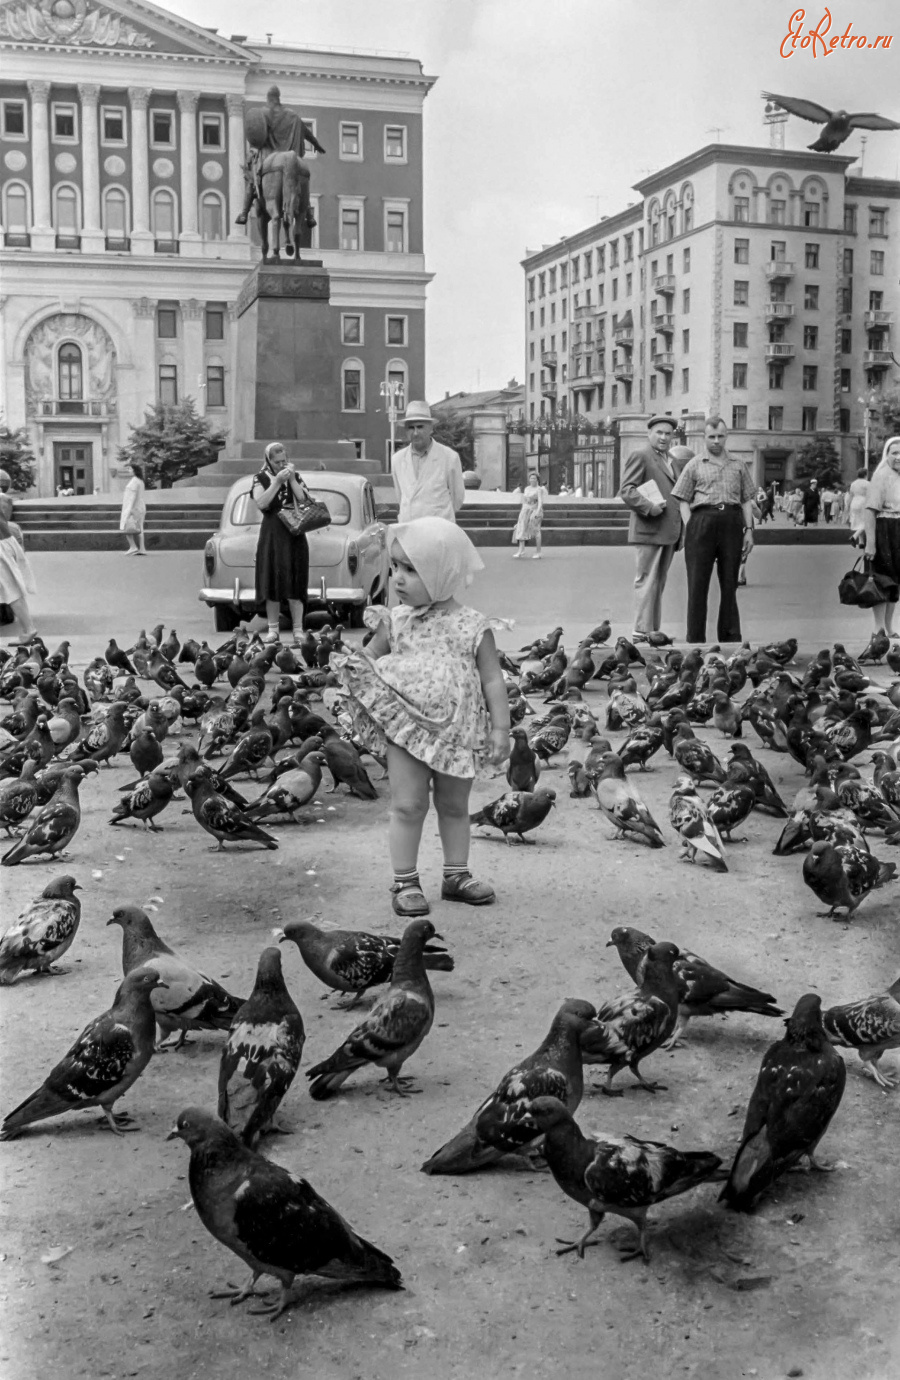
(807, 1285)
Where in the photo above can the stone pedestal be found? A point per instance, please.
(287, 383)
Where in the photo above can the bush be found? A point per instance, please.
(17, 458)
(172, 443)
(454, 430)
(818, 460)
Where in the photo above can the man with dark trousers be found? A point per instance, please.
(716, 496)
(654, 529)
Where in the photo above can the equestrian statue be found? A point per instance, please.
(277, 177)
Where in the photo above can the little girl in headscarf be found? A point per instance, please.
(429, 693)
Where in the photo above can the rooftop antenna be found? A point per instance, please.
(862, 156)
(718, 131)
(776, 118)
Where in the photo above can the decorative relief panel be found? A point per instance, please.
(98, 351)
(70, 21)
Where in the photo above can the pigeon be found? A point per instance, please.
(600, 634)
(550, 739)
(43, 932)
(728, 807)
(37, 746)
(64, 725)
(394, 1028)
(205, 668)
(145, 801)
(877, 648)
(866, 801)
(627, 1029)
(726, 716)
(214, 813)
(104, 739)
(621, 1175)
(798, 1090)
(290, 791)
(872, 1026)
(503, 1124)
(54, 826)
(691, 822)
(523, 767)
(619, 801)
(703, 989)
(744, 768)
(517, 812)
(186, 763)
(145, 751)
(249, 753)
(189, 999)
(837, 125)
(343, 761)
(109, 1055)
(641, 745)
(851, 735)
(276, 1223)
(352, 961)
(162, 671)
(18, 797)
(262, 1056)
(695, 757)
(842, 876)
(48, 781)
(116, 658)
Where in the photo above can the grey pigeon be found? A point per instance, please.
(263, 1053)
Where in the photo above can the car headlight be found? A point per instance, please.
(209, 558)
(352, 557)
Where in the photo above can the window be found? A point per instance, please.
(565, 339)
(215, 385)
(214, 321)
(742, 209)
(552, 278)
(601, 259)
(614, 254)
(688, 219)
(395, 330)
(531, 405)
(849, 220)
(588, 265)
(739, 418)
(166, 321)
(845, 419)
(845, 297)
(811, 255)
(13, 120)
(877, 220)
(686, 301)
(352, 386)
(741, 294)
(531, 385)
(576, 270)
(396, 377)
(846, 342)
(777, 292)
(845, 380)
(112, 124)
(351, 140)
(686, 261)
(810, 297)
(395, 143)
(776, 377)
(685, 380)
(685, 342)
(615, 289)
(395, 229)
(587, 303)
(811, 211)
(810, 378)
(668, 388)
(628, 283)
(739, 334)
(212, 130)
(601, 295)
(563, 275)
(739, 376)
(552, 312)
(308, 150)
(69, 373)
(531, 320)
(809, 419)
(614, 395)
(670, 263)
(876, 262)
(162, 216)
(212, 216)
(168, 384)
(531, 352)
(776, 418)
(543, 315)
(64, 123)
(66, 219)
(115, 214)
(531, 289)
(742, 251)
(15, 209)
(351, 227)
(351, 328)
(810, 337)
(162, 129)
(776, 212)
(847, 262)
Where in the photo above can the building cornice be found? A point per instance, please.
(872, 186)
(742, 153)
(610, 225)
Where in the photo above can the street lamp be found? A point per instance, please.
(870, 409)
(392, 392)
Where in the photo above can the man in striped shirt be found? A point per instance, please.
(716, 496)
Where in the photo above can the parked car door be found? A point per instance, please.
(371, 541)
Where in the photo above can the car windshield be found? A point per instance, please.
(244, 512)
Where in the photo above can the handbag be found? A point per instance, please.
(307, 516)
(865, 588)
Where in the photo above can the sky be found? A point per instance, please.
(545, 114)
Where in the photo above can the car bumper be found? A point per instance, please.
(241, 595)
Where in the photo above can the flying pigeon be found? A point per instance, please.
(263, 1053)
(627, 1029)
(517, 812)
(843, 876)
(43, 932)
(798, 1090)
(352, 961)
(620, 802)
(837, 125)
(872, 1026)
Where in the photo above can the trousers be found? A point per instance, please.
(651, 569)
(713, 540)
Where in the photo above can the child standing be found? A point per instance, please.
(428, 691)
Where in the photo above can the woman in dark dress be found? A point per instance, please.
(282, 559)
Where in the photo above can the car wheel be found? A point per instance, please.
(225, 618)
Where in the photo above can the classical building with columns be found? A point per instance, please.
(121, 172)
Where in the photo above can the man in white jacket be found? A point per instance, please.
(427, 476)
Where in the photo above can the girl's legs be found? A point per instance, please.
(296, 608)
(273, 613)
(451, 801)
(882, 617)
(141, 548)
(410, 781)
(521, 551)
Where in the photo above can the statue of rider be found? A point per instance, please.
(285, 132)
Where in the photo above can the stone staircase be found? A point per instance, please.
(61, 526)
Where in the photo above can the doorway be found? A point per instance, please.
(73, 466)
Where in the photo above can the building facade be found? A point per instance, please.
(121, 172)
(757, 284)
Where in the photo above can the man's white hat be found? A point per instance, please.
(418, 412)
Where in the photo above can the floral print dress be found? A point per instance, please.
(425, 695)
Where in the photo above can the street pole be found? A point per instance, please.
(392, 391)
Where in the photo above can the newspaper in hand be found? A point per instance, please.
(652, 492)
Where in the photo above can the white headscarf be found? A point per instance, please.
(440, 552)
(883, 462)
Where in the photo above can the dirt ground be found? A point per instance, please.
(807, 1285)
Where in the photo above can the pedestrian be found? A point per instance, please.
(16, 579)
(7, 507)
(837, 502)
(654, 525)
(796, 506)
(827, 498)
(134, 512)
(531, 515)
(427, 476)
(856, 510)
(428, 692)
(812, 500)
(282, 557)
(882, 527)
(716, 493)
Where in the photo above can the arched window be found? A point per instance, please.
(212, 216)
(396, 374)
(69, 373)
(687, 208)
(163, 216)
(669, 217)
(16, 217)
(654, 222)
(115, 214)
(353, 386)
(66, 216)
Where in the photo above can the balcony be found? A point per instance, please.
(548, 359)
(779, 311)
(779, 269)
(664, 282)
(664, 323)
(581, 313)
(779, 350)
(548, 389)
(877, 320)
(665, 361)
(72, 408)
(877, 359)
(624, 335)
(624, 371)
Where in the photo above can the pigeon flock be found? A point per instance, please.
(245, 738)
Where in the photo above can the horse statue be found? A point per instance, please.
(283, 182)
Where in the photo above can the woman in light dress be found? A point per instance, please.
(882, 528)
(16, 576)
(134, 511)
(531, 515)
(856, 509)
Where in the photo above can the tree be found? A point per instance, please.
(172, 443)
(17, 458)
(885, 422)
(452, 429)
(818, 460)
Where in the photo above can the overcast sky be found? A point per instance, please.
(544, 115)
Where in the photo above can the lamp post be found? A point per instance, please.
(392, 392)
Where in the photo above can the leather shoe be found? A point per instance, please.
(410, 901)
(463, 887)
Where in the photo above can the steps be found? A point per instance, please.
(59, 526)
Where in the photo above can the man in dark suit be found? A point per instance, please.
(654, 529)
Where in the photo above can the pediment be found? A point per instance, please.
(129, 25)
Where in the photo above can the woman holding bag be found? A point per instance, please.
(882, 527)
(282, 558)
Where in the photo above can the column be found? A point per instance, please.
(141, 236)
(189, 238)
(92, 238)
(138, 383)
(236, 149)
(42, 234)
(194, 383)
